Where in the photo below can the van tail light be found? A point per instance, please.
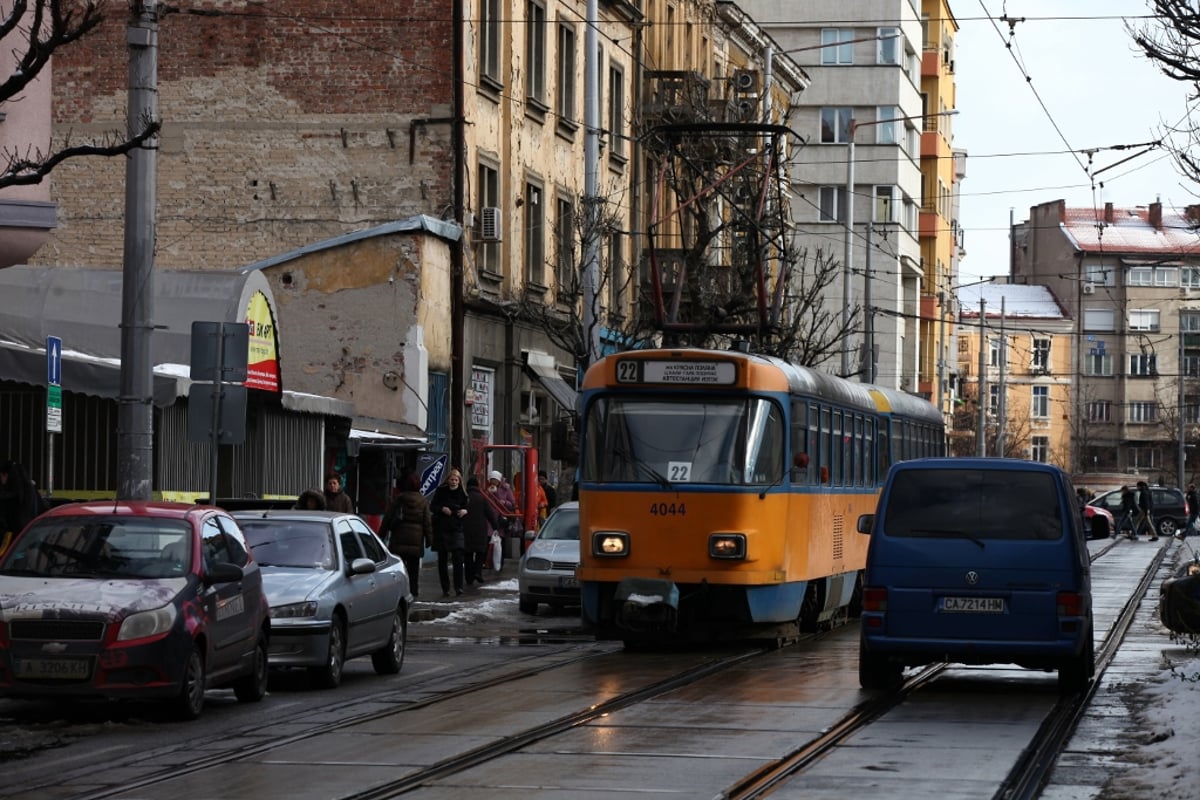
(1070, 604)
(875, 600)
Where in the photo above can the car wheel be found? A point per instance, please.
(527, 605)
(330, 675)
(253, 687)
(388, 660)
(1166, 527)
(877, 673)
(1074, 674)
(190, 700)
(1100, 529)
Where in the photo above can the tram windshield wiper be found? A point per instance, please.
(644, 468)
(949, 534)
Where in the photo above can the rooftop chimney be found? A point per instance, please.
(1108, 213)
(1156, 216)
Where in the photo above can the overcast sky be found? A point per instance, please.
(1096, 92)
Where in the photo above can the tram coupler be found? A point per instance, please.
(647, 605)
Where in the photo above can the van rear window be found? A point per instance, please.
(982, 504)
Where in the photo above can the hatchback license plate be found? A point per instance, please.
(64, 668)
(568, 582)
(973, 605)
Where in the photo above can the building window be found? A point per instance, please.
(909, 212)
(994, 351)
(1143, 319)
(1039, 449)
(566, 73)
(1099, 319)
(1190, 277)
(489, 197)
(1099, 274)
(890, 125)
(885, 204)
(1163, 277)
(1191, 366)
(535, 52)
(535, 241)
(891, 46)
(1099, 411)
(836, 46)
(1041, 357)
(1143, 366)
(1167, 277)
(832, 204)
(835, 125)
(616, 110)
(1040, 408)
(993, 399)
(1143, 411)
(489, 38)
(1098, 364)
(564, 240)
(1191, 413)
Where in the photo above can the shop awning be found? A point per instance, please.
(542, 368)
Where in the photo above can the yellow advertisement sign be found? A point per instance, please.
(262, 363)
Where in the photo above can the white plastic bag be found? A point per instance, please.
(495, 552)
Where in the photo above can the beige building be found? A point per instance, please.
(1015, 347)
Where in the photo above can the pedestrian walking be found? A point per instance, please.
(335, 498)
(19, 502)
(478, 524)
(1145, 499)
(1193, 509)
(450, 503)
(311, 500)
(407, 527)
(550, 491)
(1129, 513)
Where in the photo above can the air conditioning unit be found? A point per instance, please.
(744, 81)
(489, 224)
(1089, 288)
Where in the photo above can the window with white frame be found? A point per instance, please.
(909, 211)
(1099, 411)
(1189, 277)
(1166, 277)
(535, 52)
(1098, 364)
(1099, 274)
(616, 110)
(994, 351)
(1142, 365)
(564, 242)
(1191, 413)
(1189, 321)
(1143, 319)
(832, 204)
(565, 91)
(1139, 276)
(1143, 411)
(890, 127)
(1041, 356)
(1039, 449)
(884, 209)
(489, 39)
(489, 197)
(835, 125)
(836, 46)
(1191, 366)
(891, 46)
(1040, 403)
(1099, 319)
(535, 237)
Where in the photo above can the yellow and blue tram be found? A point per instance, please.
(719, 492)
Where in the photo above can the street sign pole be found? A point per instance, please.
(53, 404)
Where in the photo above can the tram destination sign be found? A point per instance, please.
(710, 373)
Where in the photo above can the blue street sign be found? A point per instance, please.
(431, 475)
(53, 361)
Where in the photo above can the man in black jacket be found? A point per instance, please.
(1146, 506)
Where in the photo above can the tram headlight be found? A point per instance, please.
(610, 543)
(727, 545)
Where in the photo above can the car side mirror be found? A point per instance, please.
(222, 572)
(361, 566)
(865, 523)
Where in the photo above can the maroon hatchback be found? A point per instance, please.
(132, 600)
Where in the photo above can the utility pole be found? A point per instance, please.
(941, 361)
(869, 322)
(1182, 410)
(135, 413)
(981, 429)
(591, 187)
(1002, 406)
(848, 256)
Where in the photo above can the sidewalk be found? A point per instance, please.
(430, 605)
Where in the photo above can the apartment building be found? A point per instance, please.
(1015, 345)
(1130, 276)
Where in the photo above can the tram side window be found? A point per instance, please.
(869, 452)
(827, 457)
(883, 448)
(838, 475)
(815, 456)
(857, 444)
(799, 441)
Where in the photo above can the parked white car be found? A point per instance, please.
(546, 573)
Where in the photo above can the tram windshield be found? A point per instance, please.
(669, 440)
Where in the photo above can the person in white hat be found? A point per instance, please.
(500, 493)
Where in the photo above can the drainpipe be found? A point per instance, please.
(458, 392)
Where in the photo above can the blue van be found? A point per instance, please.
(976, 561)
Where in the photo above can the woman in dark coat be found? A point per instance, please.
(478, 525)
(449, 504)
(407, 527)
(18, 500)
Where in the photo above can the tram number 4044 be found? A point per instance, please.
(668, 509)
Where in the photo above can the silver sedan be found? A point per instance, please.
(335, 591)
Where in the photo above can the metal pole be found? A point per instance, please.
(941, 363)
(135, 413)
(1182, 408)
(848, 258)
(869, 322)
(1002, 406)
(981, 432)
(215, 433)
(591, 187)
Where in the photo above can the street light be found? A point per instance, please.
(849, 243)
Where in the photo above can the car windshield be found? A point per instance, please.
(669, 440)
(289, 543)
(562, 524)
(102, 547)
(973, 504)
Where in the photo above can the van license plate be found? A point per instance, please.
(973, 605)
